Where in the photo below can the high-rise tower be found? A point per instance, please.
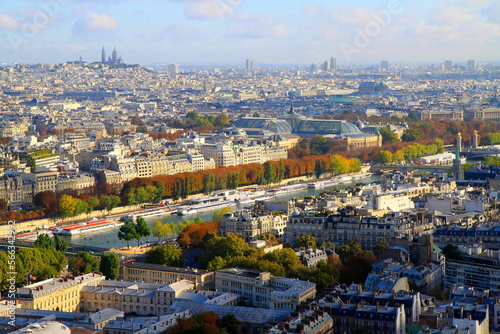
(103, 55)
(471, 65)
(250, 63)
(384, 65)
(333, 64)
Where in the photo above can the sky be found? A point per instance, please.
(268, 31)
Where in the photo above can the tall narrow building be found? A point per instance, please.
(456, 170)
(103, 55)
(333, 64)
(250, 65)
(384, 65)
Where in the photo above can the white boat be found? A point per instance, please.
(252, 198)
(186, 211)
(361, 176)
(218, 200)
(325, 183)
(90, 226)
(149, 213)
(287, 189)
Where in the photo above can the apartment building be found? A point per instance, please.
(57, 294)
(141, 298)
(154, 273)
(251, 224)
(261, 289)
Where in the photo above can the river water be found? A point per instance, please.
(109, 238)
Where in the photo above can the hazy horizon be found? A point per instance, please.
(204, 32)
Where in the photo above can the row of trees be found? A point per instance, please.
(162, 230)
(206, 181)
(39, 263)
(196, 122)
(69, 205)
(83, 262)
(47, 259)
(410, 152)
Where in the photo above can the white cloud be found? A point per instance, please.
(208, 9)
(100, 21)
(452, 15)
(94, 21)
(9, 23)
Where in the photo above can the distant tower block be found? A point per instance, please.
(250, 66)
(103, 55)
(333, 64)
(448, 64)
(471, 65)
(459, 142)
(475, 140)
(384, 65)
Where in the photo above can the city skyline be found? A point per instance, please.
(228, 31)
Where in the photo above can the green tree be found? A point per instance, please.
(452, 252)
(66, 206)
(127, 232)
(491, 160)
(319, 145)
(178, 190)
(379, 247)
(411, 135)
(44, 241)
(92, 203)
(285, 257)
(83, 263)
(142, 229)
(80, 206)
(222, 120)
(141, 129)
(440, 145)
(110, 202)
(231, 245)
(219, 213)
(158, 194)
(60, 244)
(385, 157)
(230, 323)
(216, 263)
(209, 184)
(307, 241)
(168, 255)
(319, 169)
(388, 136)
(110, 265)
(281, 171)
(269, 238)
(161, 230)
(350, 250)
(256, 114)
(269, 172)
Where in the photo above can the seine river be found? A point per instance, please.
(109, 238)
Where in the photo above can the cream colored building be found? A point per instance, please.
(56, 294)
(251, 225)
(261, 289)
(141, 298)
(222, 154)
(155, 273)
(79, 182)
